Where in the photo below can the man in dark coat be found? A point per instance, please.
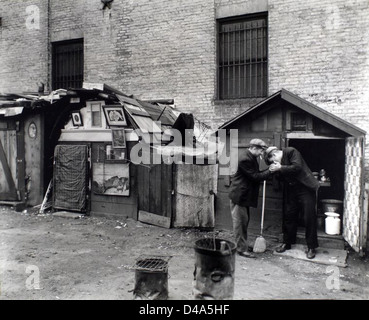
(244, 192)
(300, 194)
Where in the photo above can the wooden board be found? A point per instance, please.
(154, 219)
(7, 184)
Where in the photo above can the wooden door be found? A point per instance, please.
(154, 185)
(354, 213)
(12, 183)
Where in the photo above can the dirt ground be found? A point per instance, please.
(89, 258)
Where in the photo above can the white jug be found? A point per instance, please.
(332, 223)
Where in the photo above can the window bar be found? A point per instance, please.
(74, 73)
(257, 60)
(250, 63)
(228, 65)
(239, 62)
(264, 54)
(244, 61)
(222, 64)
(69, 69)
(262, 60)
(232, 61)
(70, 72)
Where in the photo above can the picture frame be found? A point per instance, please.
(118, 139)
(111, 179)
(77, 119)
(114, 115)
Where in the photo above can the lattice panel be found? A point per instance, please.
(353, 192)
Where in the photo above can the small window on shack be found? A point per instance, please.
(298, 122)
(96, 114)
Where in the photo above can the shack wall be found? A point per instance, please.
(34, 160)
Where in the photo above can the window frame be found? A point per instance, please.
(242, 18)
(72, 80)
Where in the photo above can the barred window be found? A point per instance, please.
(67, 66)
(243, 57)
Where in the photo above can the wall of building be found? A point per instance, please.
(319, 51)
(23, 45)
(158, 49)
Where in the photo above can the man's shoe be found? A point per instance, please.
(310, 254)
(283, 247)
(245, 254)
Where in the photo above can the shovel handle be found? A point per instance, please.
(263, 209)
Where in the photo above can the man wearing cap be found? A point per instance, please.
(300, 189)
(244, 192)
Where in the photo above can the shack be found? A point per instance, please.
(110, 161)
(25, 148)
(326, 142)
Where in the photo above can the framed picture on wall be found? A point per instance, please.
(77, 119)
(118, 138)
(111, 179)
(114, 115)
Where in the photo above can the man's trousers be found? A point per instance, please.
(240, 218)
(299, 198)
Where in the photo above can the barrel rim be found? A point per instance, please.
(213, 252)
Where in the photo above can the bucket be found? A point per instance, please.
(332, 205)
(332, 223)
(214, 269)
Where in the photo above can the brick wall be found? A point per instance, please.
(23, 45)
(166, 49)
(319, 51)
(171, 48)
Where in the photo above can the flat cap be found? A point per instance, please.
(258, 143)
(267, 152)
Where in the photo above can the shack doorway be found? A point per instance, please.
(327, 155)
(326, 159)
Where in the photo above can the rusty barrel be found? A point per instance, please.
(214, 269)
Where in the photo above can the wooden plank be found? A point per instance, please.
(169, 190)
(164, 189)
(308, 135)
(21, 170)
(143, 187)
(8, 174)
(154, 219)
(155, 189)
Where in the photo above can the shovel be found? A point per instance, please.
(260, 243)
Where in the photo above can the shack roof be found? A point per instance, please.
(285, 95)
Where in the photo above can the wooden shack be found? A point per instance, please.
(325, 141)
(95, 173)
(24, 149)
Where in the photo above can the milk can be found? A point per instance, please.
(332, 223)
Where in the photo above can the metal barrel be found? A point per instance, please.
(214, 269)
